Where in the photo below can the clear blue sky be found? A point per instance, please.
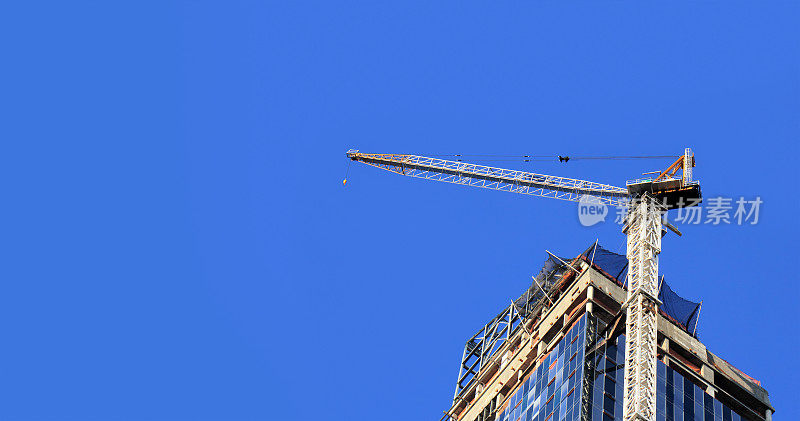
(177, 243)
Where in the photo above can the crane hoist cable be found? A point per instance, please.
(346, 173)
(545, 158)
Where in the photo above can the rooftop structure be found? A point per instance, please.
(558, 353)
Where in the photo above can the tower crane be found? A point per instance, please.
(647, 201)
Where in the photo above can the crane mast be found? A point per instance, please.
(644, 231)
(644, 244)
(646, 199)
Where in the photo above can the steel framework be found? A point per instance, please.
(481, 346)
(491, 337)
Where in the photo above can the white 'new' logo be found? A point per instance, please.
(591, 210)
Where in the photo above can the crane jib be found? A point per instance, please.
(525, 179)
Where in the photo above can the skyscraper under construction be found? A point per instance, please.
(557, 353)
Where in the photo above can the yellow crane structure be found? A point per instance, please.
(647, 201)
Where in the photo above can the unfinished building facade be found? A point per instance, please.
(557, 354)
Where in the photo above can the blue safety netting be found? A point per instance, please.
(551, 272)
(550, 265)
(613, 264)
(683, 311)
(680, 310)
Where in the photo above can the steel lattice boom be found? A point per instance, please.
(493, 178)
